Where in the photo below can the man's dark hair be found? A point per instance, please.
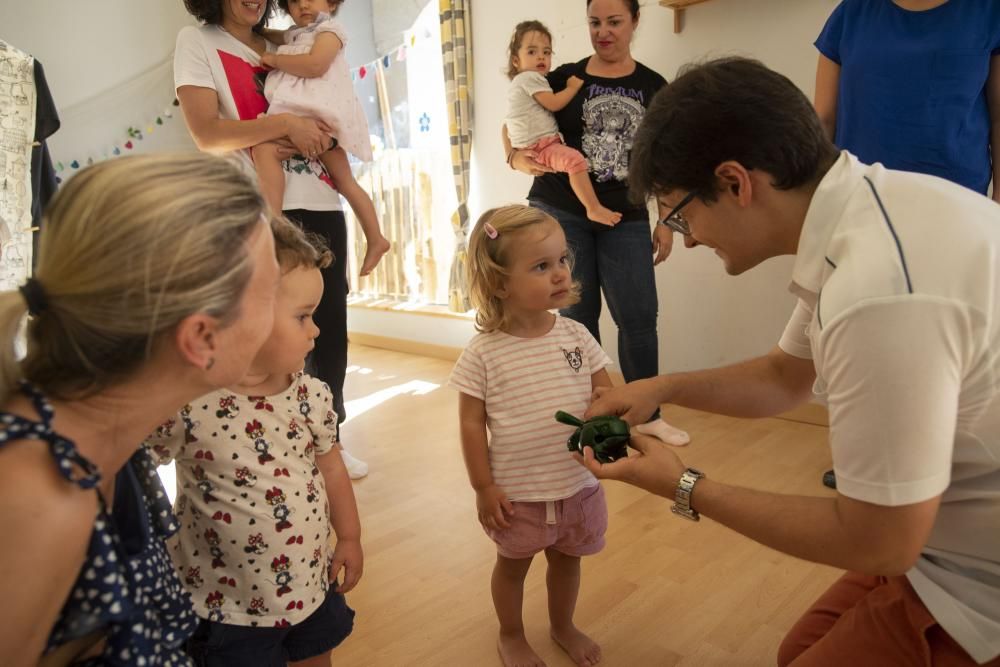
(209, 12)
(727, 109)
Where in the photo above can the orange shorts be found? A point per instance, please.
(866, 621)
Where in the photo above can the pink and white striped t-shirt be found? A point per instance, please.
(523, 382)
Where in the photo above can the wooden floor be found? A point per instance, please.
(663, 592)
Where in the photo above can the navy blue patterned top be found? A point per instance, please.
(127, 589)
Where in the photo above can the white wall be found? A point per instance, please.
(706, 317)
(102, 64)
(90, 47)
(108, 66)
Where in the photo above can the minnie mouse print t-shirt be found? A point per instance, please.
(600, 122)
(254, 541)
(209, 57)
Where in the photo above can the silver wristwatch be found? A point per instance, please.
(682, 500)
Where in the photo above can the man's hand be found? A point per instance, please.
(634, 402)
(655, 468)
(493, 508)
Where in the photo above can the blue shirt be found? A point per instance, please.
(913, 85)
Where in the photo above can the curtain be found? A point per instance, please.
(456, 46)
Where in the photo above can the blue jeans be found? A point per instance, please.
(619, 261)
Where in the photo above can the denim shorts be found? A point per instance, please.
(223, 645)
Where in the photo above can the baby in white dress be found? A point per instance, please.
(311, 78)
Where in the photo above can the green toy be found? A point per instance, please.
(607, 436)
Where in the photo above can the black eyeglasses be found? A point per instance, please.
(675, 220)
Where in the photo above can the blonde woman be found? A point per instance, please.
(155, 284)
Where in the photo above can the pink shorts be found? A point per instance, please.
(552, 152)
(574, 526)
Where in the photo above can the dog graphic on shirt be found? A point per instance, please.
(575, 359)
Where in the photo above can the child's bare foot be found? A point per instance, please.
(515, 651)
(605, 216)
(583, 650)
(373, 253)
(665, 432)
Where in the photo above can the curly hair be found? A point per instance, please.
(209, 12)
(488, 258)
(520, 30)
(296, 248)
(283, 4)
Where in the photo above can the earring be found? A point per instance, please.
(211, 362)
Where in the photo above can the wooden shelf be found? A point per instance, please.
(679, 6)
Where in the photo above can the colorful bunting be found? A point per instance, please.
(132, 134)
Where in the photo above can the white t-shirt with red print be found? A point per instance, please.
(254, 541)
(209, 57)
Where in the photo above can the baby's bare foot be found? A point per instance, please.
(583, 650)
(515, 651)
(605, 216)
(373, 253)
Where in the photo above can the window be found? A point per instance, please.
(410, 178)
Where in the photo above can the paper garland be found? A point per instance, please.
(385, 61)
(132, 135)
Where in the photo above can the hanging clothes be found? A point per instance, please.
(43, 175)
(17, 131)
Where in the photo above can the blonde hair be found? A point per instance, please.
(129, 248)
(488, 259)
(296, 247)
(520, 30)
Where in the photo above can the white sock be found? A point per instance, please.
(665, 432)
(356, 468)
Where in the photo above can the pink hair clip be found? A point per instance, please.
(491, 231)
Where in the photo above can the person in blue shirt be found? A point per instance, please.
(915, 85)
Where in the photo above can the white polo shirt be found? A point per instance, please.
(898, 279)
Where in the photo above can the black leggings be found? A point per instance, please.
(328, 361)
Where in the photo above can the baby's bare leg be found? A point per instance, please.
(508, 596)
(584, 191)
(270, 174)
(563, 582)
(336, 163)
